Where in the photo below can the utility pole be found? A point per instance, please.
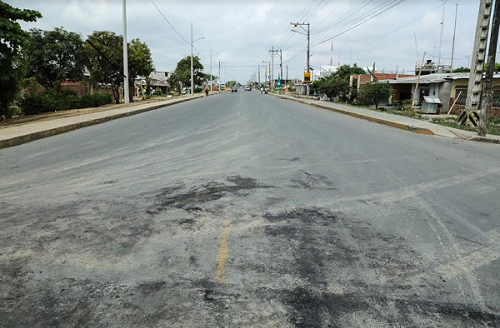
(331, 59)
(453, 46)
(219, 77)
(126, 89)
(192, 70)
(279, 53)
(258, 69)
(281, 63)
(490, 70)
(308, 31)
(211, 83)
(470, 116)
(286, 73)
(442, 31)
(269, 75)
(272, 67)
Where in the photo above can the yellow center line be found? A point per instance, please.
(220, 276)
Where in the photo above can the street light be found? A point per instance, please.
(211, 75)
(125, 55)
(192, 70)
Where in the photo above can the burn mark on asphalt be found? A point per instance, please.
(313, 309)
(191, 200)
(308, 180)
(309, 216)
(295, 159)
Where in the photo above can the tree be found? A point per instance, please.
(106, 60)
(55, 56)
(461, 70)
(334, 87)
(140, 62)
(345, 71)
(374, 92)
(182, 73)
(12, 39)
(230, 84)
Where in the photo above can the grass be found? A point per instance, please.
(493, 124)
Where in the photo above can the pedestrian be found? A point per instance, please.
(206, 91)
(261, 90)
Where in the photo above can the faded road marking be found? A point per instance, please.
(220, 276)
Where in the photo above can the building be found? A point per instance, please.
(159, 81)
(445, 87)
(432, 68)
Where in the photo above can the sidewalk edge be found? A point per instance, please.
(16, 141)
(397, 125)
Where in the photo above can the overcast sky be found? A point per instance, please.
(243, 32)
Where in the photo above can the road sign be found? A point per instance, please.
(469, 118)
(307, 77)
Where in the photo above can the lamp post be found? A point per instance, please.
(125, 55)
(211, 75)
(192, 69)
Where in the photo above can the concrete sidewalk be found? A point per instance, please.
(400, 122)
(21, 133)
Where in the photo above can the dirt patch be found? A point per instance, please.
(192, 199)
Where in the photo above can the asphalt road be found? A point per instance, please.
(244, 210)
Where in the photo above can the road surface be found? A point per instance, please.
(244, 210)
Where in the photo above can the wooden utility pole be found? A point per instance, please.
(418, 80)
(490, 70)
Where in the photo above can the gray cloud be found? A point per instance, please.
(243, 32)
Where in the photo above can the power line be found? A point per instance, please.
(166, 20)
(391, 6)
(331, 12)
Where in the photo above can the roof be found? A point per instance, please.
(433, 78)
(432, 100)
(424, 79)
(365, 78)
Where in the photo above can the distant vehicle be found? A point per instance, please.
(228, 89)
(234, 89)
(248, 88)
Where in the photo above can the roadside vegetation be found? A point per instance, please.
(54, 70)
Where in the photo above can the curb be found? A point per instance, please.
(483, 139)
(16, 141)
(396, 125)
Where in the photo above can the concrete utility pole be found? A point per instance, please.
(442, 31)
(211, 84)
(258, 70)
(269, 75)
(490, 70)
(279, 53)
(453, 46)
(308, 69)
(126, 89)
(219, 77)
(192, 70)
(272, 67)
(470, 115)
(281, 63)
(286, 73)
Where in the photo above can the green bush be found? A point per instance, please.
(50, 101)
